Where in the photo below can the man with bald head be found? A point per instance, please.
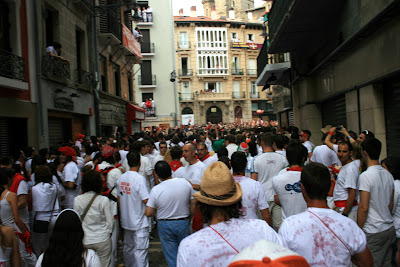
(195, 169)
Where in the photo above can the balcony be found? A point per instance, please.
(209, 96)
(186, 72)
(147, 81)
(84, 80)
(12, 67)
(148, 21)
(147, 49)
(150, 112)
(213, 72)
(56, 69)
(186, 96)
(110, 26)
(251, 72)
(183, 45)
(239, 95)
(254, 95)
(237, 72)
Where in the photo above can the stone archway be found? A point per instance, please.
(187, 110)
(238, 113)
(214, 115)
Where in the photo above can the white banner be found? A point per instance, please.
(188, 119)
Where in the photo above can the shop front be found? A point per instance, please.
(134, 118)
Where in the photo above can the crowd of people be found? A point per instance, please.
(214, 193)
(145, 14)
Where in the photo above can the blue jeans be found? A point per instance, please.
(171, 234)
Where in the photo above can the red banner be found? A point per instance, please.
(130, 42)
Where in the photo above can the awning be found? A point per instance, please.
(280, 72)
(130, 106)
(134, 114)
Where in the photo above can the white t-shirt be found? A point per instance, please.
(123, 154)
(310, 146)
(207, 248)
(396, 207)
(23, 189)
(194, 172)
(112, 178)
(268, 165)
(210, 160)
(232, 148)
(179, 173)
(379, 183)
(91, 259)
(132, 190)
(287, 187)
(157, 159)
(306, 235)
(43, 201)
(347, 178)
(281, 152)
(324, 155)
(145, 169)
(71, 174)
(253, 198)
(171, 198)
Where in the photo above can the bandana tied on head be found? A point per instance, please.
(244, 147)
(67, 151)
(107, 152)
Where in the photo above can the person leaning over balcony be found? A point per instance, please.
(149, 14)
(54, 50)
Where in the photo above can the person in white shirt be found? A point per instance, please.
(133, 195)
(305, 136)
(230, 144)
(150, 17)
(345, 191)
(280, 141)
(146, 169)
(96, 215)
(286, 186)
(325, 155)
(170, 201)
(266, 167)
(204, 156)
(112, 174)
(220, 204)
(71, 177)
(163, 147)
(194, 171)
(376, 188)
(321, 235)
(253, 198)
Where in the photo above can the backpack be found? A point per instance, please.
(106, 191)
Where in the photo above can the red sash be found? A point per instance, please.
(175, 164)
(295, 169)
(205, 157)
(16, 181)
(342, 203)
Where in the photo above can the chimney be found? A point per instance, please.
(181, 12)
(213, 13)
(250, 15)
(231, 13)
(193, 11)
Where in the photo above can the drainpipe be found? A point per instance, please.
(96, 93)
(38, 84)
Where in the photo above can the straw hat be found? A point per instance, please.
(326, 129)
(217, 186)
(264, 253)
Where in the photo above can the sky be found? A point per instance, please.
(186, 4)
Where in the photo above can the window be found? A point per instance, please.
(80, 53)
(235, 63)
(103, 73)
(234, 37)
(250, 38)
(184, 66)
(183, 40)
(51, 21)
(252, 67)
(236, 89)
(130, 89)
(213, 87)
(149, 104)
(186, 94)
(117, 79)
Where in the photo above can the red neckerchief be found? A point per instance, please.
(205, 157)
(175, 164)
(17, 180)
(295, 169)
(333, 170)
(80, 140)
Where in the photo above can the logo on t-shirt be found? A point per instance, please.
(270, 161)
(125, 189)
(295, 187)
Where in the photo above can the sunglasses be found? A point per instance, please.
(365, 132)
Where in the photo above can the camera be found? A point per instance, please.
(338, 128)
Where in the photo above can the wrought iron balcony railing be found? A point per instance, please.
(12, 66)
(216, 71)
(56, 69)
(150, 112)
(252, 72)
(254, 95)
(238, 95)
(237, 72)
(147, 80)
(186, 72)
(147, 48)
(186, 96)
(85, 79)
(183, 45)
